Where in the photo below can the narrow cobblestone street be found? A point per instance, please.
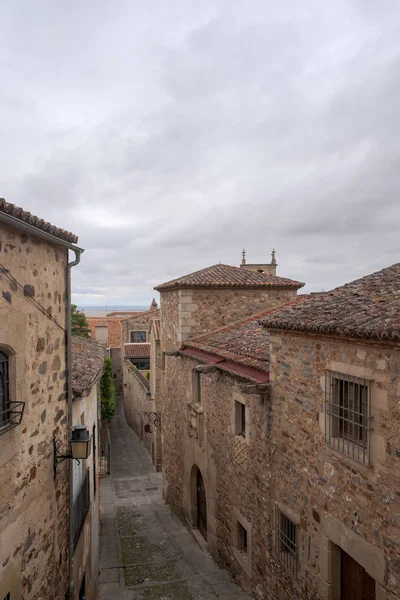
(145, 551)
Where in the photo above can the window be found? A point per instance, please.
(143, 364)
(138, 337)
(240, 419)
(196, 387)
(4, 397)
(241, 538)
(285, 541)
(347, 415)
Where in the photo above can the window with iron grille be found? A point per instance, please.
(285, 541)
(4, 397)
(138, 337)
(348, 415)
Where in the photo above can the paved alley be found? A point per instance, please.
(145, 551)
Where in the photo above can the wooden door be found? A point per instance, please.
(356, 584)
(201, 506)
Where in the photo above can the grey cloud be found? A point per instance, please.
(169, 136)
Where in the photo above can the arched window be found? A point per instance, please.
(4, 396)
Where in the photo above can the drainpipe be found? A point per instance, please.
(71, 264)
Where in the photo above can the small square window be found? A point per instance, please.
(240, 419)
(241, 538)
(285, 541)
(138, 337)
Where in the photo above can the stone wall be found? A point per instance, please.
(155, 392)
(138, 404)
(139, 323)
(190, 312)
(34, 505)
(284, 461)
(336, 499)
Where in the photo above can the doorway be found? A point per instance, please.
(201, 506)
(356, 584)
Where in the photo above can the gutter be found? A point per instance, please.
(78, 252)
(52, 239)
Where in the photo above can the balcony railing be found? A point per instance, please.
(12, 416)
(81, 507)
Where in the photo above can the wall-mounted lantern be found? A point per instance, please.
(80, 446)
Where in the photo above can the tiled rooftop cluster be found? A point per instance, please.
(27, 217)
(87, 365)
(225, 276)
(114, 329)
(366, 308)
(156, 329)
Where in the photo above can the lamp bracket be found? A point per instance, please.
(58, 457)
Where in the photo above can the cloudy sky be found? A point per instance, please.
(168, 135)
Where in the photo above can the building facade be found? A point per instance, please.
(34, 503)
(280, 442)
(87, 368)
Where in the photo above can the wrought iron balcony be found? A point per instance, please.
(11, 417)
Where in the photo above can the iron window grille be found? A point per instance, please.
(285, 541)
(10, 412)
(348, 415)
(138, 337)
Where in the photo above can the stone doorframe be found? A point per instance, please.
(335, 536)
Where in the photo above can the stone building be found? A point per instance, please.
(281, 440)
(87, 368)
(35, 405)
(142, 395)
(216, 296)
(136, 329)
(335, 471)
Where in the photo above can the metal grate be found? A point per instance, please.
(347, 415)
(285, 541)
(81, 507)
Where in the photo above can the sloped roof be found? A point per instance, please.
(366, 308)
(114, 329)
(151, 312)
(156, 329)
(225, 276)
(87, 365)
(137, 350)
(25, 216)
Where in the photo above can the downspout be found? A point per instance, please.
(71, 264)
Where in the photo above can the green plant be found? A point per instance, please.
(107, 392)
(79, 323)
(148, 375)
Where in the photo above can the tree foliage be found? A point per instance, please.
(107, 392)
(79, 324)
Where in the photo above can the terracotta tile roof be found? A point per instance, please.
(245, 343)
(114, 329)
(156, 329)
(137, 350)
(366, 308)
(87, 365)
(222, 276)
(124, 313)
(153, 311)
(27, 217)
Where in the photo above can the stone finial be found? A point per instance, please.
(243, 256)
(273, 261)
(153, 304)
